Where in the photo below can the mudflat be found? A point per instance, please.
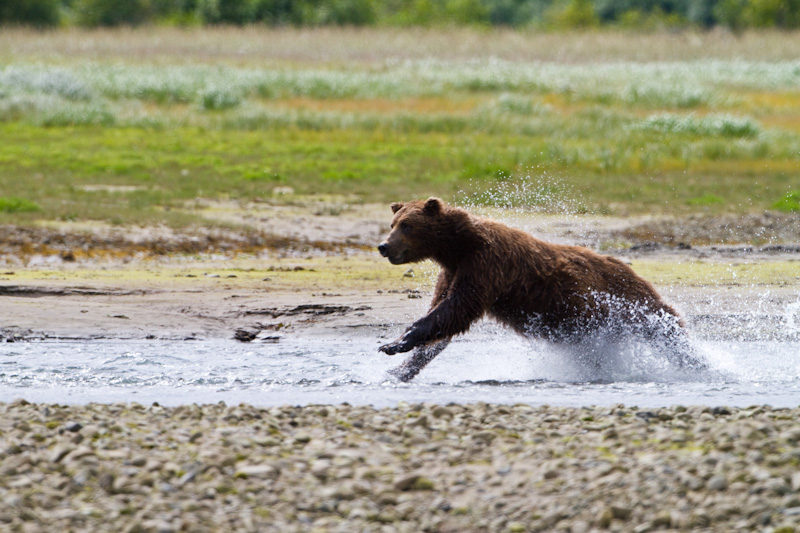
(301, 272)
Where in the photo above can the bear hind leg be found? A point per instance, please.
(418, 360)
(671, 339)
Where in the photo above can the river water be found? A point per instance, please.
(487, 365)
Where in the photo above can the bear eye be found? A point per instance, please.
(405, 227)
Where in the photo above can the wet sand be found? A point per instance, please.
(302, 270)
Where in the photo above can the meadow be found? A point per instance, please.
(131, 126)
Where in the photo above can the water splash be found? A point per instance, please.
(534, 192)
(791, 316)
(488, 364)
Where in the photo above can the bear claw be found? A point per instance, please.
(389, 349)
(395, 347)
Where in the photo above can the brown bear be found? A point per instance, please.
(556, 292)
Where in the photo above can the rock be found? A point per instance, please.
(266, 442)
(321, 468)
(604, 518)
(484, 436)
(188, 477)
(717, 483)
(413, 482)
(796, 481)
(158, 526)
(422, 422)
(59, 452)
(550, 474)
(257, 472)
(79, 453)
(580, 526)
(620, 513)
(302, 438)
(106, 481)
(73, 427)
(140, 466)
(442, 412)
(662, 520)
(700, 519)
(777, 485)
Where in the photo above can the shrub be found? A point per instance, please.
(39, 13)
(279, 12)
(576, 14)
(348, 12)
(55, 81)
(93, 13)
(711, 125)
(789, 203)
(216, 99)
(227, 11)
(17, 205)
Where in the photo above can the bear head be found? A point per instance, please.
(422, 229)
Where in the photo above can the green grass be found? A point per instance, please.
(17, 205)
(789, 203)
(114, 136)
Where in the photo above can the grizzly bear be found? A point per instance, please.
(542, 290)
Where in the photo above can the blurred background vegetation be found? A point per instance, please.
(238, 100)
(541, 14)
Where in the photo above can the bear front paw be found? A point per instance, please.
(395, 347)
(389, 349)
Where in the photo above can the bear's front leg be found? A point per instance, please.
(397, 346)
(452, 316)
(407, 342)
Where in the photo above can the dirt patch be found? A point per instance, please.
(283, 231)
(768, 229)
(24, 291)
(23, 244)
(306, 309)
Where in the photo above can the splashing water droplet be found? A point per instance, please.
(792, 317)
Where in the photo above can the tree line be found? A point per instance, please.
(544, 14)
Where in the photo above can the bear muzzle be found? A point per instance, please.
(394, 258)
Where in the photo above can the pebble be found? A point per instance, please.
(717, 483)
(415, 467)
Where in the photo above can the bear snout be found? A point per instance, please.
(383, 248)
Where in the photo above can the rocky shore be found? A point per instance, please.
(454, 468)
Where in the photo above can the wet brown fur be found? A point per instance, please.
(538, 289)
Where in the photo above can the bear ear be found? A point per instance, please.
(397, 206)
(433, 205)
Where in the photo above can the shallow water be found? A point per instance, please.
(486, 365)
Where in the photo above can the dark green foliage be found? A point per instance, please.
(742, 14)
(94, 13)
(39, 13)
(279, 12)
(237, 12)
(554, 14)
(516, 12)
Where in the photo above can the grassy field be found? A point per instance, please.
(129, 126)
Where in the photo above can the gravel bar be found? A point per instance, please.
(416, 467)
